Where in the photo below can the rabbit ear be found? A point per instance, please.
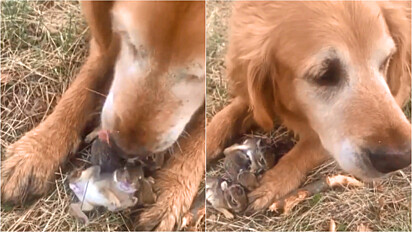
(115, 176)
(259, 141)
(223, 185)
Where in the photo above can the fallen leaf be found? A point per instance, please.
(332, 225)
(341, 180)
(363, 228)
(289, 203)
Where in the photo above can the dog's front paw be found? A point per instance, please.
(28, 170)
(172, 202)
(261, 198)
(274, 185)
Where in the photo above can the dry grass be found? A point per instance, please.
(384, 206)
(43, 45)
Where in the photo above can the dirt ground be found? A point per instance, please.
(385, 206)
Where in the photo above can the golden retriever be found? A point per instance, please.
(335, 72)
(149, 59)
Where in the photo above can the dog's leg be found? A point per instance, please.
(225, 125)
(288, 174)
(177, 183)
(32, 161)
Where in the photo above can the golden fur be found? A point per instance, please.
(143, 116)
(275, 65)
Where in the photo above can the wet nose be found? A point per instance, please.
(386, 162)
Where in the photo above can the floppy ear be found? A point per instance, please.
(260, 89)
(398, 18)
(249, 62)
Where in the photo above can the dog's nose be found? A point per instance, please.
(128, 151)
(386, 162)
(138, 151)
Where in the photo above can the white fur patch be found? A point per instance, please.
(350, 160)
(190, 92)
(386, 46)
(130, 67)
(347, 158)
(108, 110)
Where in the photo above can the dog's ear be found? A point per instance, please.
(250, 61)
(260, 85)
(398, 19)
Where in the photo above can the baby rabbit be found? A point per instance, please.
(261, 160)
(237, 166)
(115, 191)
(245, 162)
(225, 197)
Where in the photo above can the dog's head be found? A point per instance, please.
(343, 68)
(159, 74)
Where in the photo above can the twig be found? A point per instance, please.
(287, 203)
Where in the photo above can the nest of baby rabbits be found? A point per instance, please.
(112, 182)
(244, 165)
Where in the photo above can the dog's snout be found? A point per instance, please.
(386, 162)
(139, 151)
(126, 149)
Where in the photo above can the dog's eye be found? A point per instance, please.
(331, 73)
(384, 66)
